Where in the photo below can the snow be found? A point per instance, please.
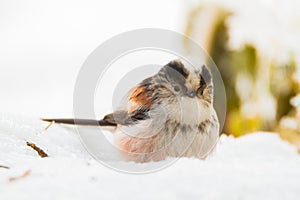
(256, 166)
(41, 54)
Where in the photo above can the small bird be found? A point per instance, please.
(170, 114)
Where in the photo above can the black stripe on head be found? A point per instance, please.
(205, 76)
(205, 79)
(179, 67)
(176, 72)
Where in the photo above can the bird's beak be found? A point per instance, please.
(191, 93)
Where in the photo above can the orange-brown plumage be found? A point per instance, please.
(140, 97)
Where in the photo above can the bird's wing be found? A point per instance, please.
(139, 104)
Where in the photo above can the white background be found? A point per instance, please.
(44, 43)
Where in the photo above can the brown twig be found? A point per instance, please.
(37, 149)
(5, 167)
(51, 123)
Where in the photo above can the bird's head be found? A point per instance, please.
(189, 82)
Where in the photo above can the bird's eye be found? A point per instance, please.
(176, 88)
(200, 91)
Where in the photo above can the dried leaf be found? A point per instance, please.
(25, 174)
(37, 149)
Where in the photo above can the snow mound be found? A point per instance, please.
(256, 166)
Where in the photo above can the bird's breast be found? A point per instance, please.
(174, 139)
(189, 111)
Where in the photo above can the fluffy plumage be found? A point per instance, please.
(168, 114)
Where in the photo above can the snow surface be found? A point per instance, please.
(256, 166)
(41, 54)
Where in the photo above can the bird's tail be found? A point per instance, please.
(84, 122)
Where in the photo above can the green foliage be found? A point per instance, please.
(270, 84)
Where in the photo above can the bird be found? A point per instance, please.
(169, 114)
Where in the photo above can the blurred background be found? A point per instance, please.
(255, 45)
